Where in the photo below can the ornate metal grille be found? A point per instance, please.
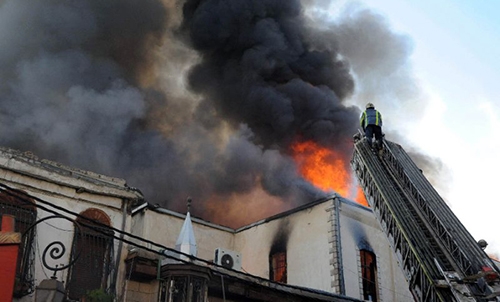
(184, 288)
(95, 247)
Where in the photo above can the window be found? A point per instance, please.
(183, 289)
(277, 264)
(20, 206)
(94, 244)
(369, 275)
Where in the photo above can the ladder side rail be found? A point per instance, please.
(408, 219)
(453, 225)
(434, 200)
(446, 222)
(444, 257)
(466, 264)
(414, 269)
(399, 243)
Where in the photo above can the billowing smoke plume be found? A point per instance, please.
(258, 68)
(70, 86)
(379, 59)
(199, 99)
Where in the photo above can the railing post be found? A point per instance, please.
(9, 248)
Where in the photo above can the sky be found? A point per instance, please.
(455, 50)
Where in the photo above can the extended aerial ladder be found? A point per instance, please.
(440, 259)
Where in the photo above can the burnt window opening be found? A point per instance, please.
(23, 209)
(277, 267)
(369, 275)
(94, 244)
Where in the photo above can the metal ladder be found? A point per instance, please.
(440, 260)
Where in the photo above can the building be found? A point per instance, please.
(114, 244)
(49, 201)
(331, 245)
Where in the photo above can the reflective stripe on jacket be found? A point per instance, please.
(370, 117)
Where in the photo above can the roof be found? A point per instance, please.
(239, 285)
(28, 164)
(186, 242)
(303, 207)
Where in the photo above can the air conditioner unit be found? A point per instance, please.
(228, 259)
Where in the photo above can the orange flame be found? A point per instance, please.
(325, 169)
(361, 198)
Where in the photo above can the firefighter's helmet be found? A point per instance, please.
(369, 105)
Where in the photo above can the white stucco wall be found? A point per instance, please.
(308, 251)
(308, 257)
(359, 229)
(254, 245)
(70, 189)
(62, 230)
(309, 231)
(164, 229)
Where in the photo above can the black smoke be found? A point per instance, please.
(82, 83)
(380, 61)
(258, 68)
(70, 86)
(280, 240)
(189, 98)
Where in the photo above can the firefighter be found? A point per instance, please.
(371, 122)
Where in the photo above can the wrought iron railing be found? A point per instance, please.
(61, 259)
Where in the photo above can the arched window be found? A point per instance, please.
(94, 245)
(19, 205)
(369, 275)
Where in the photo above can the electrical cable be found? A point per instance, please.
(105, 230)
